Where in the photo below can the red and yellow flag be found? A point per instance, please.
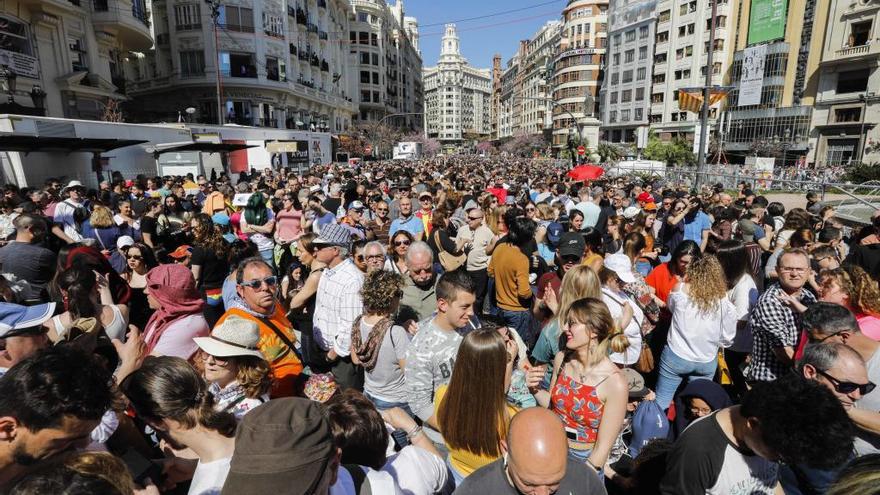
(691, 99)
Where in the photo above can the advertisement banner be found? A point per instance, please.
(767, 20)
(751, 82)
(299, 155)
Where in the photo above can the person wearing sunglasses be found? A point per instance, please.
(831, 323)
(256, 287)
(380, 225)
(397, 249)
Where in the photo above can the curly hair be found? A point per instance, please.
(254, 375)
(707, 284)
(101, 218)
(381, 291)
(862, 290)
(790, 410)
(205, 235)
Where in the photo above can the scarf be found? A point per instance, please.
(174, 287)
(368, 352)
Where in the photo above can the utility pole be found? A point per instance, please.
(704, 111)
(215, 15)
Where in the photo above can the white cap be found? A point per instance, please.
(124, 241)
(622, 266)
(630, 212)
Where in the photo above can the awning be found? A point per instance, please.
(159, 149)
(30, 144)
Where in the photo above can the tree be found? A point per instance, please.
(524, 144)
(485, 147)
(609, 152)
(112, 111)
(675, 152)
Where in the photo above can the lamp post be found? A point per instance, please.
(215, 16)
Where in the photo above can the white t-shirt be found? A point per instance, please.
(743, 296)
(418, 472)
(64, 216)
(380, 482)
(209, 477)
(633, 331)
(696, 336)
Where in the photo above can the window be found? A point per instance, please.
(237, 18)
(273, 25)
(616, 58)
(365, 96)
(78, 55)
(624, 115)
(659, 79)
(631, 35)
(638, 114)
(643, 53)
(187, 17)
(376, 98)
(612, 116)
(365, 77)
(660, 58)
(614, 97)
(615, 78)
(683, 9)
(663, 37)
(641, 73)
(657, 98)
(626, 96)
(192, 63)
(580, 29)
(365, 58)
(643, 32)
(720, 22)
(860, 33)
(852, 81)
(640, 94)
(272, 71)
(375, 78)
(847, 114)
(627, 76)
(363, 17)
(374, 39)
(629, 56)
(616, 40)
(664, 16)
(374, 57)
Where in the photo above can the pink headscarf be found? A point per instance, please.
(174, 287)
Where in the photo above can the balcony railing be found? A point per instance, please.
(246, 71)
(267, 122)
(237, 28)
(273, 34)
(188, 27)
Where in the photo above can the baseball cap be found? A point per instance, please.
(356, 205)
(283, 446)
(645, 197)
(631, 212)
(636, 383)
(747, 229)
(181, 251)
(571, 244)
(650, 206)
(554, 232)
(16, 319)
(124, 242)
(220, 219)
(620, 265)
(333, 235)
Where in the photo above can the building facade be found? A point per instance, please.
(508, 113)
(66, 58)
(847, 106)
(495, 109)
(626, 89)
(680, 56)
(778, 122)
(388, 63)
(578, 69)
(281, 63)
(458, 97)
(536, 59)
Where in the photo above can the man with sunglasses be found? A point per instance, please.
(839, 368)
(257, 286)
(832, 323)
(380, 225)
(477, 237)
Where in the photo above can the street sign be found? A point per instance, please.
(582, 150)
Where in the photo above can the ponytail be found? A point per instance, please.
(223, 422)
(617, 341)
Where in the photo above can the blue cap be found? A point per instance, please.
(16, 319)
(554, 231)
(220, 219)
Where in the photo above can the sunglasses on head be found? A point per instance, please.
(849, 387)
(270, 281)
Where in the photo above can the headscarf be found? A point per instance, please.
(712, 393)
(90, 257)
(174, 287)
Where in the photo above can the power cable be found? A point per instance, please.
(495, 14)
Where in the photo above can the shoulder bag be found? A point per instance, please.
(449, 261)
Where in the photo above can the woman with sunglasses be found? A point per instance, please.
(238, 375)
(400, 243)
(139, 260)
(177, 317)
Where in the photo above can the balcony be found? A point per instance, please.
(127, 20)
(243, 71)
(854, 53)
(267, 123)
(238, 28)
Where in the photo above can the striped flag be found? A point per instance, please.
(691, 99)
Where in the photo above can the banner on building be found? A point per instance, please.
(751, 81)
(767, 20)
(691, 99)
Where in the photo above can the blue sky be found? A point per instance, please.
(480, 38)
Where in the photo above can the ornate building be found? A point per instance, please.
(458, 97)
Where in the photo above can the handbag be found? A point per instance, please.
(449, 261)
(645, 364)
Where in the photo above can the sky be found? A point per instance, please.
(503, 24)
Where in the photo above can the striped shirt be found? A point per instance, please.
(337, 305)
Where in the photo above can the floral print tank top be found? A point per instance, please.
(578, 406)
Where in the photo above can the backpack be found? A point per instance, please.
(648, 422)
(80, 215)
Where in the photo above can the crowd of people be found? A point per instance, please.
(469, 325)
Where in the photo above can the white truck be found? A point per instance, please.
(407, 150)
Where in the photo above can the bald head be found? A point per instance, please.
(537, 450)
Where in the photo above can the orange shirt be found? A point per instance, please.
(663, 281)
(285, 364)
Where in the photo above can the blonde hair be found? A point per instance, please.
(577, 283)
(546, 212)
(102, 465)
(493, 215)
(860, 288)
(707, 284)
(594, 314)
(101, 217)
